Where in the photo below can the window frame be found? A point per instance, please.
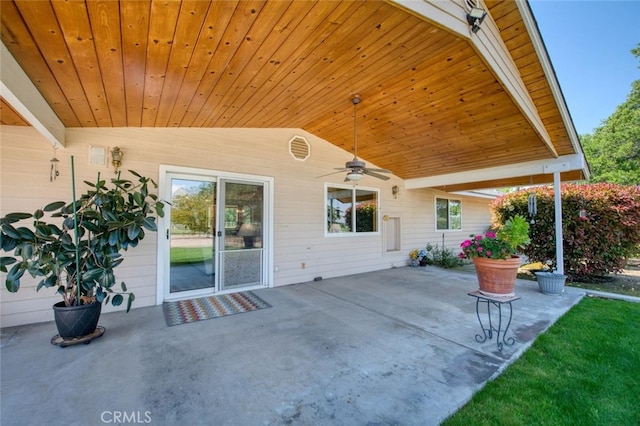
(353, 190)
(448, 200)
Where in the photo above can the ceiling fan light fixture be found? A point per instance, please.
(354, 175)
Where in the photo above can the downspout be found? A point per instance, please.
(557, 199)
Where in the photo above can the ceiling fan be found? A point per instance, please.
(357, 168)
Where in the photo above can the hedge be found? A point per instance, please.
(596, 243)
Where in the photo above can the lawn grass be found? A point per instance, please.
(584, 370)
(187, 255)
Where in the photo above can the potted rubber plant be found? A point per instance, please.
(75, 246)
(495, 256)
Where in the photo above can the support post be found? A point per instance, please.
(557, 198)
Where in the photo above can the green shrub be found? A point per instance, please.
(594, 245)
(442, 257)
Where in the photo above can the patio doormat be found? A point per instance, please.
(203, 308)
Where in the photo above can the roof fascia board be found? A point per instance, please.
(19, 91)
(561, 164)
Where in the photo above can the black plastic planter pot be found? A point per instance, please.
(76, 321)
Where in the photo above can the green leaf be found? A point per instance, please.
(150, 223)
(133, 230)
(26, 234)
(114, 238)
(137, 197)
(130, 300)
(25, 249)
(117, 300)
(38, 214)
(43, 230)
(123, 286)
(14, 217)
(13, 277)
(50, 281)
(7, 243)
(100, 295)
(10, 231)
(57, 205)
(6, 261)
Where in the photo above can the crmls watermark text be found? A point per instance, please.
(124, 417)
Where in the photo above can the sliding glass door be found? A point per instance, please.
(215, 235)
(241, 251)
(192, 231)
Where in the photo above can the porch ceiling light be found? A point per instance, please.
(475, 18)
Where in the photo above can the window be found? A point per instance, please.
(340, 206)
(448, 214)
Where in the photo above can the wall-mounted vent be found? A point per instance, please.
(299, 148)
(471, 4)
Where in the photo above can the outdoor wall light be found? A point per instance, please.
(475, 18)
(395, 190)
(116, 158)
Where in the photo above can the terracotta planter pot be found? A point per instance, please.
(497, 277)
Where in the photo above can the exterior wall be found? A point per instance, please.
(299, 212)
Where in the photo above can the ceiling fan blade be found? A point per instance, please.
(375, 175)
(379, 170)
(333, 173)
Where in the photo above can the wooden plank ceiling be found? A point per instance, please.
(430, 105)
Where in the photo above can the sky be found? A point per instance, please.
(589, 43)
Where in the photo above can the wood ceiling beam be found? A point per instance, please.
(18, 90)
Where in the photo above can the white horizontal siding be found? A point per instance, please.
(299, 209)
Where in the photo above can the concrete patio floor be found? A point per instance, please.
(392, 347)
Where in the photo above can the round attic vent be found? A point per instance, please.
(299, 148)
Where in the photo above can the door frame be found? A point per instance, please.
(164, 193)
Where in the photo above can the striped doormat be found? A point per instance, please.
(203, 308)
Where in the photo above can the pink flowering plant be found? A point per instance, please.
(510, 238)
(487, 245)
